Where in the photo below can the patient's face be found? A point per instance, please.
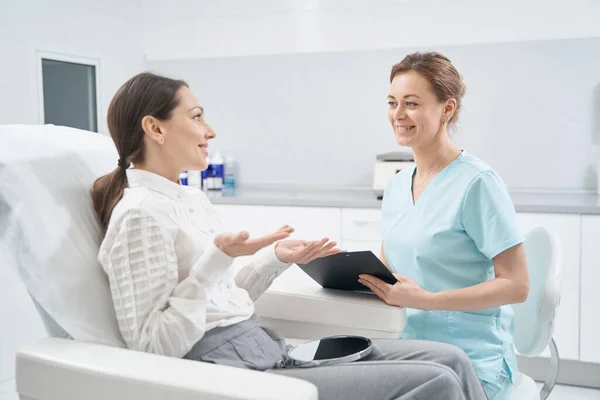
(187, 134)
(414, 110)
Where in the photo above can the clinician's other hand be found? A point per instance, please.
(240, 244)
(295, 251)
(404, 293)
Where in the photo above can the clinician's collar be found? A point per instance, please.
(157, 183)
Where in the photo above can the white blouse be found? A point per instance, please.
(169, 282)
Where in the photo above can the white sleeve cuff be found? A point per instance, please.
(212, 265)
(268, 263)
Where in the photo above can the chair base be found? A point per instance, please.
(525, 388)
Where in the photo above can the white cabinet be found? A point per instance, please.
(361, 224)
(237, 218)
(241, 217)
(360, 229)
(590, 288)
(310, 223)
(568, 229)
(362, 245)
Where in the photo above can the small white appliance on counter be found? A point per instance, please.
(388, 165)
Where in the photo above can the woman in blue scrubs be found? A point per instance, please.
(449, 229)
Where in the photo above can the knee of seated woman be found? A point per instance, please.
(447, 380)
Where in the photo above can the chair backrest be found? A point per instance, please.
(49, 231)
(534, 318)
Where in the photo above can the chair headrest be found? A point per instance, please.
(534, 319)
(49, 228)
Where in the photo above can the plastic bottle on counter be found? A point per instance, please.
(204, 175)
(230, 172)
(183, 178)
(216, 174)
(193, 179)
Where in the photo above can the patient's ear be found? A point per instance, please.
(152, 129)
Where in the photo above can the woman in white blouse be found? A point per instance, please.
(170, 267)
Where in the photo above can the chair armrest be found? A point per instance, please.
(63, 369)
(299, 307)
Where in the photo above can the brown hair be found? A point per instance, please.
(144, 94)
(444, 79)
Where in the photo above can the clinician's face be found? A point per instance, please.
(414, 112)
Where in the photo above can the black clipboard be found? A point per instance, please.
(341, 270)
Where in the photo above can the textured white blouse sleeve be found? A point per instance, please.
(155, 313)
(257, 276)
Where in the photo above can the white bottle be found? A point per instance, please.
(193, 179)
(205, 175)
(229, 174)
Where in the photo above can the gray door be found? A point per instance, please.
(70, 94)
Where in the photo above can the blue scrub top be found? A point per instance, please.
(447, 240)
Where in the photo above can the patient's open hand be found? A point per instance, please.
(295, 251)
(240, 244)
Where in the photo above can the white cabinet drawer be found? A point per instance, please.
(568, 229)
(237, 218)
(241, 217)
(360, 224)
(309, 223)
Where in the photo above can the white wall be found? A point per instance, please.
(320, 118)
(187, 38)
(107, 30)
(175, 29)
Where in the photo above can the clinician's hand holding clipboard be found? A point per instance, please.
(340, 271)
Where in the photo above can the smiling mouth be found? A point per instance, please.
(405, 128)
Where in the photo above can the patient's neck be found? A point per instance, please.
(161, 168)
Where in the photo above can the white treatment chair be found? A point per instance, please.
(49, 235)
(534, 319)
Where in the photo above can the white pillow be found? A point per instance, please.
(49, 231)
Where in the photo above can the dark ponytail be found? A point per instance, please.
(144, 94)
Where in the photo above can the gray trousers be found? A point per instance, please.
(395, 369)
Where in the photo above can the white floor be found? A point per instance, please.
(565, 392)
(560, 392)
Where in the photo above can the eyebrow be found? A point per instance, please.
(200, 108)
(407, 96)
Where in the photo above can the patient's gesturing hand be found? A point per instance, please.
(240, 244)
(295, 251)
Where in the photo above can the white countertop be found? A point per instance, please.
(524, 201)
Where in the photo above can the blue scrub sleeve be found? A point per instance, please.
(488, 215)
